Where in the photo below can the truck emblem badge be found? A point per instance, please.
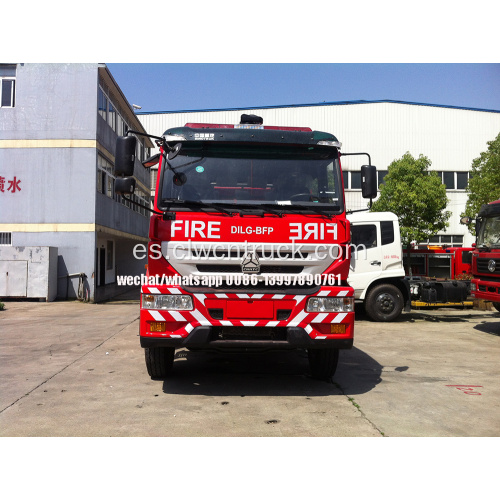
(250, 263)
(491, 266)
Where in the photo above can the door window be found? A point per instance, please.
(364, 235)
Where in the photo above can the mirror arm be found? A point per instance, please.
(130, 131)
(143, 206)
(160, 141)
(354, 154)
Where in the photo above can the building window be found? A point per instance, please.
(101, 179)
(450, 240)
(449, 180)
(109, 255)
(6, 239)
(111, 116)
(380, 177)
(105, 177)
(110, 113)
(154, 177)
(462, 180)
(111, 187)
(102, 104)
(7, 85)
(352, 180)
(454, 180)
(120, 125)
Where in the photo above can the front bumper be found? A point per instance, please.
(486, 290)
(270, 320)
(206, 337)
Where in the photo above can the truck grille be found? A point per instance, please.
(235, 254)
(482, 266)
(235, 268)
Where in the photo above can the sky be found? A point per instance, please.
(175, 87)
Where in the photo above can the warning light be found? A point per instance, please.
(157, 326)
(337, 328)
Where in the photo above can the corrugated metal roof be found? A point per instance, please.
(333, 103)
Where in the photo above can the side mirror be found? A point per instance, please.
(125, 155)
(369, 181)
(151, 161)
(124, 185)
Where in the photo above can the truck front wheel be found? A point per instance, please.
(384, 303)
(496, 305)
(159, 361)
(323, 362)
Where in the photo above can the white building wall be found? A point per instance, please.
(450, 137)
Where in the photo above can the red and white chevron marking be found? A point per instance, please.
(192, 319)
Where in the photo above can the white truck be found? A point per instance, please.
(376, 271)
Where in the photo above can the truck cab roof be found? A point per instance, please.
(371, 216)
(490, 209)
(235, 134)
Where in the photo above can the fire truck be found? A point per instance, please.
(440, 276)
(440, 262)
(486, 255)
(248, 242)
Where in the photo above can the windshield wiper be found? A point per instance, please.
(484, 246)
(213, 206)
(262, 208)
(314, 208)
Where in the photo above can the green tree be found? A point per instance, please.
(417, 196)
(484, 184)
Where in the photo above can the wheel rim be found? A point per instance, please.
(386, 303)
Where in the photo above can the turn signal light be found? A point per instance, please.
(158, 326)
(340, 328)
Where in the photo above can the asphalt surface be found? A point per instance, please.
(74, 369)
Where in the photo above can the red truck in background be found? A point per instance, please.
(249, 242)
(440, 276)
(437, 261)
(486, 255)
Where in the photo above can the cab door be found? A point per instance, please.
(366, 258)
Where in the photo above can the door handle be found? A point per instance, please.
(375, 263)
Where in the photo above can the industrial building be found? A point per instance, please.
(63, 231)
(451, 137)
(58, 129)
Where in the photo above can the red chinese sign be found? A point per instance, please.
(12, 185)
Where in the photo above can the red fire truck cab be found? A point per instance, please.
(248, 243)
(486, 255)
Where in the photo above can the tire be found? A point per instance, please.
(496, 305)
(159, 361)
(384, 303)
(323, 362)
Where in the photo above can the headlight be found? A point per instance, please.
(171, 302)
(472, 287)
(330, 304)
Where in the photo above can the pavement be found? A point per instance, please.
(75, 369)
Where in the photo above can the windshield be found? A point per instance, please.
(489, 233)
(289, 184)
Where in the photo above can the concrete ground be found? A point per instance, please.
(74, 369)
